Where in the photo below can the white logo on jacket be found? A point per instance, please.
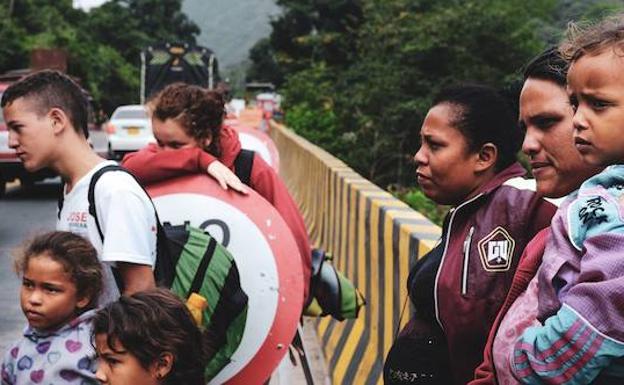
(496, 250)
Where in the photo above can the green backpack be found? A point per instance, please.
(331, 292)
(189, 260)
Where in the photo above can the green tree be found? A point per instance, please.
(366, 104)
(307, 33)
(409, 50)
(103, 45)
(264, 65)
(12, 51)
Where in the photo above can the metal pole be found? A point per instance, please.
(142, 91)
(211, 72)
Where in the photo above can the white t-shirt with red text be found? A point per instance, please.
(126, 217)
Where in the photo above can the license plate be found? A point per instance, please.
(133, 130)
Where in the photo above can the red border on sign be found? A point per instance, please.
(264, 138)
(288, 262)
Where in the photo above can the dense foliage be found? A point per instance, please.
(358, 75)
(103, 45)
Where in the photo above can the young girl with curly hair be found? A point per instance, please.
(61, 281)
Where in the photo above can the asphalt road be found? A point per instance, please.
(23, 213)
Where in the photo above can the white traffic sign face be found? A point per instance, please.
(251, 142)
(267, 258)
(258, 141)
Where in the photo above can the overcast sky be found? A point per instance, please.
(228, 27)
(86, 4)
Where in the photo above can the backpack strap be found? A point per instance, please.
(91, 193)
(198, 279)
(60, 201)
(243, 165)
(164, 268)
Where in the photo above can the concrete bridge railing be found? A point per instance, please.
(374, 238)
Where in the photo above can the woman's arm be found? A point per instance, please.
(153, 164)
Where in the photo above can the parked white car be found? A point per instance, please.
(129, 129)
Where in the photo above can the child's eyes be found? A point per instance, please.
(28, 284)
(52, 289)
(111, 361)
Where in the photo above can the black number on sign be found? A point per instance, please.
(225, 230)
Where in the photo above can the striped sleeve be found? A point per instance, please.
(565, 350)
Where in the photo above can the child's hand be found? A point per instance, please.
(226, 177)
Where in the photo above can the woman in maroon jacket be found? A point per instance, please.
(187, 122)
(467, 159)
(546, 116)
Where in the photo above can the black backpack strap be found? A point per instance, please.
(165, 267)
(91, 194)
(198, 279)
(60, 201)
(243, 165)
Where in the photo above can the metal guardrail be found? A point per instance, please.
(375, 239)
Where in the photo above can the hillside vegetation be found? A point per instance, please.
(358, 75)
(103, 45)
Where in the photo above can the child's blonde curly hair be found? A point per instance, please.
(589, 39)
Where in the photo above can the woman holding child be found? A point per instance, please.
(467, 160)
(546, 117)
(562, 324)
(578, 334)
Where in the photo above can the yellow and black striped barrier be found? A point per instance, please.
(374, 238)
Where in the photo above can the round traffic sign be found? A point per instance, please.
(266, 255)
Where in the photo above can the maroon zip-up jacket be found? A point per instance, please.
(485, 374)
(485, 238)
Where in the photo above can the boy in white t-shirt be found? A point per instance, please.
(46, 114)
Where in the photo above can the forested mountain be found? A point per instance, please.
(358, 75)
(231, 27)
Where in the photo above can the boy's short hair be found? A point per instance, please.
(52, 89)
(582, 39)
